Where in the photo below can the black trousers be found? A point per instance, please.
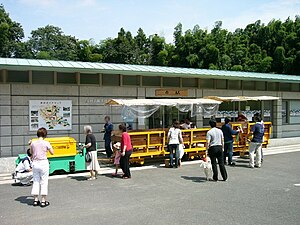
(216, 153)
(108, 150)
(124, 163)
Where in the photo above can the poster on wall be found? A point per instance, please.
(51, 114)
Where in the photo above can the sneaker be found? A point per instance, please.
(92, 178)
(257, 166)
(251, 167)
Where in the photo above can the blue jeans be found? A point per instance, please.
(173, 147)
(228, 150)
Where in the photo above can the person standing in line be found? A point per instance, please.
(108, 128)
(40, 167)
(228, 141)
(126, 151)
(214, 147)
(262, 123)
(257, 132)
(91, 148)
(174, 138)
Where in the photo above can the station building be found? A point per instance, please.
(88, 86)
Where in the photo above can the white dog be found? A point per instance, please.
(206, 165)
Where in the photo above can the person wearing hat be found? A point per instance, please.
(228, 141)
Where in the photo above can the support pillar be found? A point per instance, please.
(277, 118)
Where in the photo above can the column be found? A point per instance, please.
(277, 118)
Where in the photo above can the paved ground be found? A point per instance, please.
(167, 196)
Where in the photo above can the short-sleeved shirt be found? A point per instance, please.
(108, 127)
(215, 137)
(40, 149)
(126, 141)
(258, 133)
(24, 165)
(90, 138)
(174, 134)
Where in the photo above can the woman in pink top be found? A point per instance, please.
(126, 150)
(40, 167)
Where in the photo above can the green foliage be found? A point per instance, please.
(50, 42)
(11, 34)
(268, 48)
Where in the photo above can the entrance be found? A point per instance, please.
(163, 118)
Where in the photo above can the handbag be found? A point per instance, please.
(88, 157)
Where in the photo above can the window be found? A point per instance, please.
(234, 84)
(260, 85)
(221, 84)
(248, 85)
(284, 112)
(1, 76)
(131, 80)
(111, 79)
(284, 86)
(267, 111)
(42, 77)
(151, 81)
(171, 82)
(295, 87)
(66, 78)
(189, 82)
(18, 76)
(272, 86)
(207, 83)
(294, 111)
(86, 78)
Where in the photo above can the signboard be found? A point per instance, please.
(51, 114)
(172, 92)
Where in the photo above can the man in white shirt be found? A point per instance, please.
(214, 147)
(23, 172)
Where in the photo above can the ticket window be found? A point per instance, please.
(164, 116)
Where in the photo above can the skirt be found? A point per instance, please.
(94, 164)
(117, 158)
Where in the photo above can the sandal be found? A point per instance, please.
(45, 204)
(36, 203)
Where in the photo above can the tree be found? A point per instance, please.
(279, 58)
(11, 34)
(50, 42)
(158, 54)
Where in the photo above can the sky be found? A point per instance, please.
(100, 19)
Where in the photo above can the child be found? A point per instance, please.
(117, 157)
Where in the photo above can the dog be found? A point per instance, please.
(206, 165)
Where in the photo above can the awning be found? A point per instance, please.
(161, 102)
(242, 98)
(143, 108)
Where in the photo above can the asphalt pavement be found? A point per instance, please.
(269, 195)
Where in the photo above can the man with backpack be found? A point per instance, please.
(257, 132)
(23, 172)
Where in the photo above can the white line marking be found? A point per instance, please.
(297, 185)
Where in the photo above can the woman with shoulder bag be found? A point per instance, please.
(174, 139)
(126, 150)
(92, 163)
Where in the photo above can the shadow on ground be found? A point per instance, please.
(79, 178)
(195, 179)
(25, 200)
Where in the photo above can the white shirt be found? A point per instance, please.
(186, 126)
(24, 166)
(174, 135)
(215, 136)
